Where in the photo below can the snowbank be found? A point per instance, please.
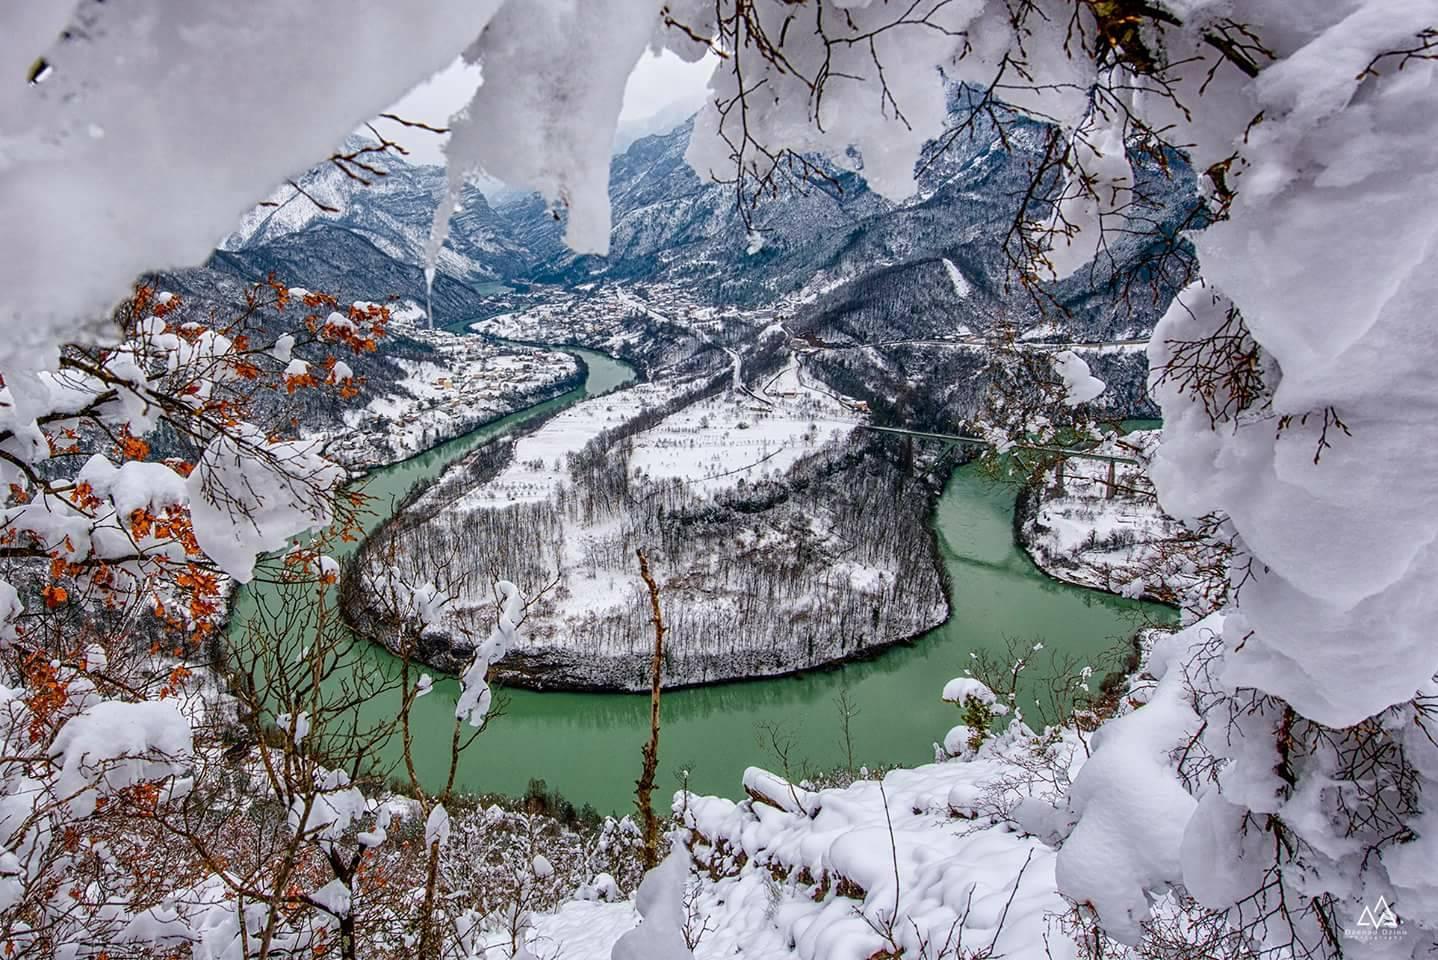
(822, 883)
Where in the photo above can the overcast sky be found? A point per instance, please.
(661, 86)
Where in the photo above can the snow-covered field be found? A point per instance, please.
(538, 466)
(469, 383)
(713, 444)
(1118, 539)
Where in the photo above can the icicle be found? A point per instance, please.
(544, 118)
(429, 295)
(438, 234)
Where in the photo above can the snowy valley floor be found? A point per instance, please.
(470, 381)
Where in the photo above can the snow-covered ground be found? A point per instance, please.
(538, 467)
(470, 382)
(777, 541)
(714, 443)
(555, 320)
(949, 859)
(622, 321)
(1111, 538)
(823, 886)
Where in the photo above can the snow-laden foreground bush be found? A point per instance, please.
(980, 854)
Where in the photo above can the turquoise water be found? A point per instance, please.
(587, 745)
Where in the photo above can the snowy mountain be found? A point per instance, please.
(845, 262)
(839, 262)
(889, 289)
(391, 206)
(898, 283)
(670, 224)
(329, 257)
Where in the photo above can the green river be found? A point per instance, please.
(587, 745)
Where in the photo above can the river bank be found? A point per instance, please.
(1106, 530)
(587, 745)
(469, 383)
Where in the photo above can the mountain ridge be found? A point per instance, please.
(842, 262)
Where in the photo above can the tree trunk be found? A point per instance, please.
(644, 787)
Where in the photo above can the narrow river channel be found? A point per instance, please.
(587, 745)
